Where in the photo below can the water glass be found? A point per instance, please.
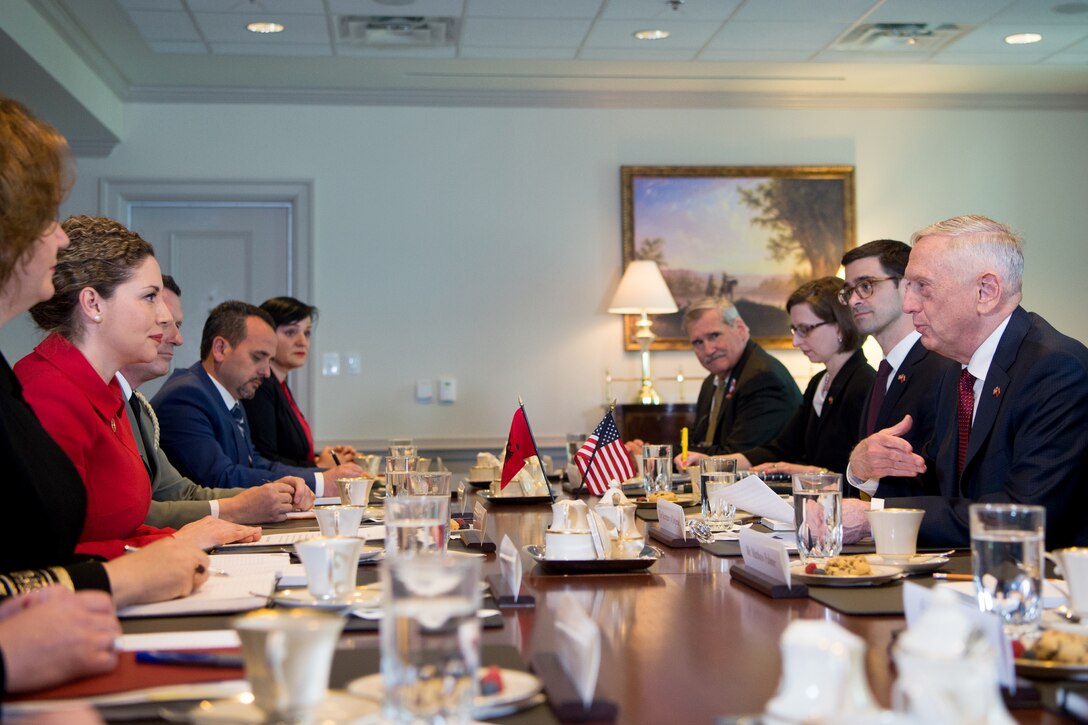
(817, 510)
(657, 468)
(574, 444)
(396, 483)
(401, 463)
(339, 520)
(430, 639)
(716, 473)
(416, 525)
(1007, 562)
(429, 483)
(402, 447)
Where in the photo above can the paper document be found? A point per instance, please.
(753, 495)
(204, 639)
(366, 533)
(249, 578)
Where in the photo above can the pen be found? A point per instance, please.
(335, 458)
(684, 446)
(197, 659)
(953, 577)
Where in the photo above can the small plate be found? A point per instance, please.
(1053, 620)
(366, 596)
(919, 563)
(518, 687)
(512, 500)
(1049, 670)
(336, 707)
(684, 501)
(880, 575)
(645, 560)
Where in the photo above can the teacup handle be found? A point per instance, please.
(1058, 570)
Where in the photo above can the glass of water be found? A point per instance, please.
(1007, 543)
(716, 473)
(657, 468)
(416, 525)
(817, 511)
(429, 483)
(430, 639)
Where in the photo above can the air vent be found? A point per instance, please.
(387, 31)
(900, 37)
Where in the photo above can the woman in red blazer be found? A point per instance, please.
(106, 312)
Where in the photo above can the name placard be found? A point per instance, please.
(765, 554)
(671, 517)
(479, 516)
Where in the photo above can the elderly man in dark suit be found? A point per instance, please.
(748, 397)
(1012, 423)
(909, 375)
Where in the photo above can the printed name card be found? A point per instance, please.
(765, 554)
(581, 657)
(671, 517)
(479, 517)
(510, 564)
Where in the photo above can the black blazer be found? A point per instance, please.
(277, 434)
(824, 440)
(763, 400)
(1029, 439)
(913, 390)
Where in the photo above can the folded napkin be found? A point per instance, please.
(753, 495)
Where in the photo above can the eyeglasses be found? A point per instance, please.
(804, 330)
(864, 289)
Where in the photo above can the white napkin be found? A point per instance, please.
(581, 657)
(753, 495)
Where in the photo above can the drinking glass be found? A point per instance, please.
(574, 443)
(402, 447)
(416, 525)
(715, 474)
(401, 463)
(657, 468)
(430, 639)
(817, 507)
(396, 483)
(1007, 561)
(429, 483)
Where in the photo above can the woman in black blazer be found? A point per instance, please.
(825, 429)
(280, 430)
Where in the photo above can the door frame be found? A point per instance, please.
(118, 196)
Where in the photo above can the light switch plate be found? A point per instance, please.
(353, 363)
(424, 391)
(447, 390)
(330, 364)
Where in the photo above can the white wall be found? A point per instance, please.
(484, 244)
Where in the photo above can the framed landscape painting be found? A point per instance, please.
(749, 233)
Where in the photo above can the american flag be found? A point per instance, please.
(602, 458)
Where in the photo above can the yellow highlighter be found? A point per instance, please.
(684, 446)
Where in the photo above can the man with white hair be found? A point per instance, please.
(1012, 424)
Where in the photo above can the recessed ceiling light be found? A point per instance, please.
(264, 28)
(651, 34)
(1023, 38)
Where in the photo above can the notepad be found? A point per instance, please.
(366, 533)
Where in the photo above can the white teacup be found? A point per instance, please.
(895, 532)
(355, 491)
(570, 516)
(339, 520)
(331, 565)
(1072, 564)
(566, 545)
(288, 657)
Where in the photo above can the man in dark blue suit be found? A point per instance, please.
(1012, 423)
(909, 376)
(204, 430)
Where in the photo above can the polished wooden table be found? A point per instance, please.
(681, 642)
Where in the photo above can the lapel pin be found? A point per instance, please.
(830, 400)
(113, 425)
(902, 378)
(997, 391)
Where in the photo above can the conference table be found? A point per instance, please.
(680, 641)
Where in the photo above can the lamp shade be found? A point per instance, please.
(642, 289)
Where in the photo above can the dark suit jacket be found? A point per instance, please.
(762, 402)
(823, 440)
(200, 437)
(1029, 440)
(913, 390)
(277, 433)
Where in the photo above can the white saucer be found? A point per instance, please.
(337, 707)
(518, 687)
(917, 564)
(1053, 620)
(366, 596)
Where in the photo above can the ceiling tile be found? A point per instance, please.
(754, 56)
(493, 32)
(969, 12)
(532, 8)
(1042, 11)
(620, 34)
(636, 54)
(803, 10)
(426, 8)
(154, 25)
(568, 53)
(169, 47)
(659, 10)
(151, 4)
(991, 39)
(777, 36)
(226, 28)
(1067, 59)
(953, 58)
(258, 49)
(259, 8)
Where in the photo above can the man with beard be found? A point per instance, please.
(203, 426)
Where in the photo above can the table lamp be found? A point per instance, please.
(643, 291)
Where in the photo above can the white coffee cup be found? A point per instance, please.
(1072, 564)
(331, 565)
(566, 545)
(355, 491)
(895, 533)
(288, 656)
(339, 520)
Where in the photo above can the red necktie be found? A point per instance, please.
(880, 389)
(966, 409)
